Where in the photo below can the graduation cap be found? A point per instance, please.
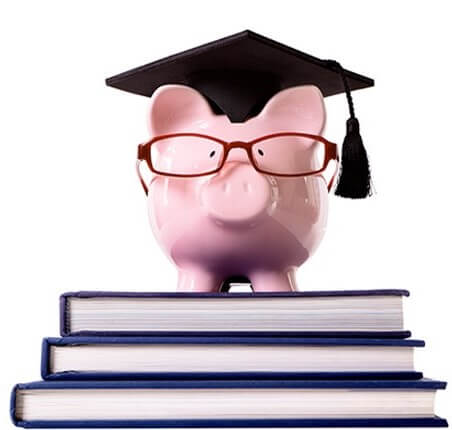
(240, 73)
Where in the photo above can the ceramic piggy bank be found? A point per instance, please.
(241, 173)
(237, 199)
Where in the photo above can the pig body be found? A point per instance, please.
(237, 222)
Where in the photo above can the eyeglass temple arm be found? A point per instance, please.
(137, 166)
(333, 155)
(140, 177)
(331, 182)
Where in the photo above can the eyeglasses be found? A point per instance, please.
(188, 155)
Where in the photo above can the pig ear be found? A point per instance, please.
(298, 108)
(174, 108)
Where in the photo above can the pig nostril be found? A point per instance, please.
(260, 152)
(212, 154)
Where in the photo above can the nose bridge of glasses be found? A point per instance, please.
(236, 151)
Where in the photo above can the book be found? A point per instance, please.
(250, 403)
(227, 357)
(370, 313)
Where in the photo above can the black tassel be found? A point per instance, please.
(354, 179)
(354, 174)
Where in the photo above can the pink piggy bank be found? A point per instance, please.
(237, 199)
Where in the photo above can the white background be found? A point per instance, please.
(73, 214)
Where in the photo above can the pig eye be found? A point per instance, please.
(212, 154)
(260, 152)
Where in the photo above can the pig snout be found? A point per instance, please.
(238, 194)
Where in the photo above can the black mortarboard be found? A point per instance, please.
(240, 73)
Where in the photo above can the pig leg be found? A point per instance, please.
(263, 281)
(198, 281)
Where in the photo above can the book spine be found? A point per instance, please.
(45, 359)
(64, 329)
(12, 406)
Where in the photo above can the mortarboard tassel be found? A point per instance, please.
(354, 180)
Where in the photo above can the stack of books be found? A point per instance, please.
(298, 359)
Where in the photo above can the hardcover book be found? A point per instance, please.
(251, 403)
(370, 313)
(227, 357)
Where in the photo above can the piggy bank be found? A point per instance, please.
(246, 199)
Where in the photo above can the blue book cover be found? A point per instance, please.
(65, 329)
(418, 421)
(72, 374)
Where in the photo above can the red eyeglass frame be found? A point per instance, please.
(144, 154)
